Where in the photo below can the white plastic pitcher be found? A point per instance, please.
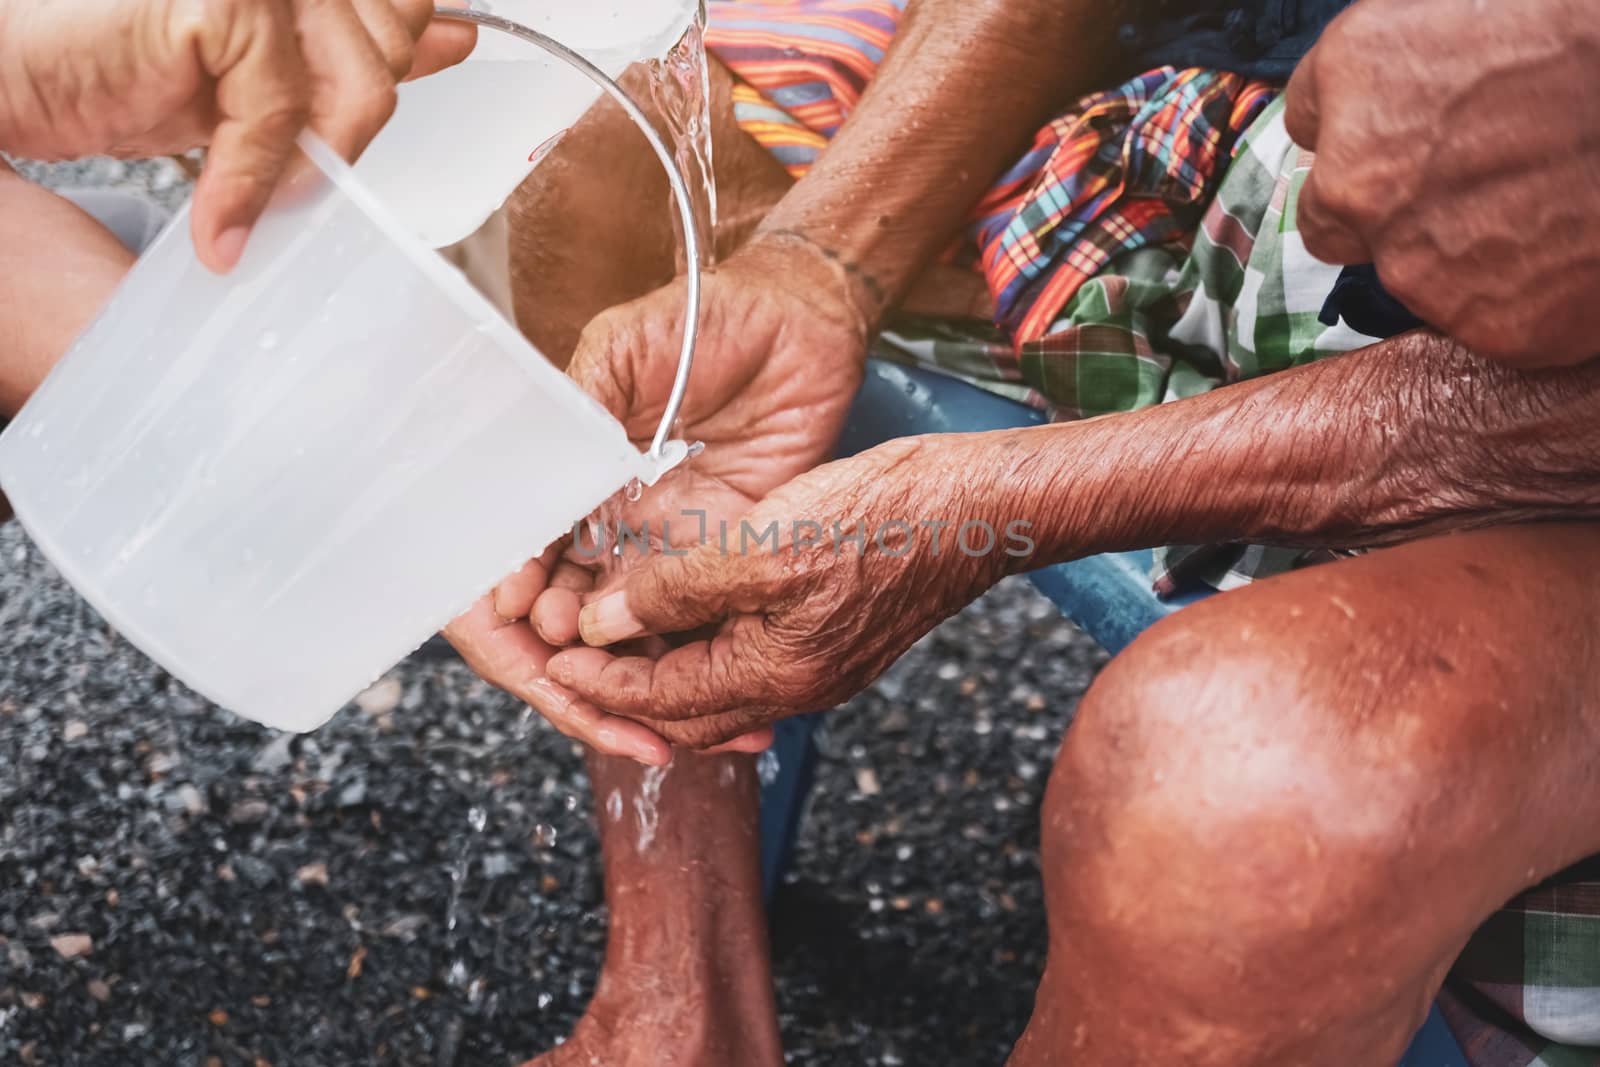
(279, 483)
(493, 114)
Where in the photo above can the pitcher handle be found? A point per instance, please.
(680, 195)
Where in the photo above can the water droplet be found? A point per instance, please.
(634, 490)
(614, 805)
(768, 767)
(478, 818)
(544, 836)
(545, 1000)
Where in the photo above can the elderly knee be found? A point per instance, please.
(1211, 816)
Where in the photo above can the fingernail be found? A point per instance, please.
(608, 620)
(230, 246)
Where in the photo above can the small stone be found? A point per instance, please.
(896, 722)
(45, 920)
(134, 1031)
(1036, 702)
(933, 906)
(901, 903)
(275, 756)
(162, 764)
(193, 801)
(72, 946)
(261, 1001)
(354, 794)
(406, 927)
(33, 1001)
(359, 957)
(218, 1017)
(312, 874)
(382, 697)
(867, 782)
(98, 990)
(75, 730)
(257, 873)
(247, 812)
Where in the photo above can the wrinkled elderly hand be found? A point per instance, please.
(779, 361)
(1458, 148)
(156, 77)
(806, 618)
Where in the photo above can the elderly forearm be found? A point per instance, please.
(59, 266)
(954, 102)
(1408, 437)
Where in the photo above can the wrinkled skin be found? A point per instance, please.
(1459, 444)
(1473, 181)
(774, 376)
(811, 618)
(144, 78)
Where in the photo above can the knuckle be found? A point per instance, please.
(401, 54)
(416, 14)
(375, 102)
(285, 110)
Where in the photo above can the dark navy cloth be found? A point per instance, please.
(1360, 299)
(1256, 38)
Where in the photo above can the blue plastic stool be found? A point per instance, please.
(1108, 596)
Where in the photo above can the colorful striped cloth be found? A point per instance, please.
(1119, 170)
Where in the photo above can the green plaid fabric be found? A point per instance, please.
(1526, 992)
(1169, 322)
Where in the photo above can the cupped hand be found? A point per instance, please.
(1456, 151)
(806, 616)
(779, 360)
(158, 77)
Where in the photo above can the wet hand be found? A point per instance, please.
(779, 361)
(780, 357)
(157, 77)
(809, 618)
(1458, 150)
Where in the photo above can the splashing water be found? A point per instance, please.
(645, 805)
(768, 767)
(477, 819)
(680, 86)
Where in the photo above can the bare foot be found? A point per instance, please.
(650, 1020)
(687, 980)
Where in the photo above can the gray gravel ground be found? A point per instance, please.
(179, 887)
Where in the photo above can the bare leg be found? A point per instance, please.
(1282, 812)
(687, 979)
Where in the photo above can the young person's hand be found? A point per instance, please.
(158, 77)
